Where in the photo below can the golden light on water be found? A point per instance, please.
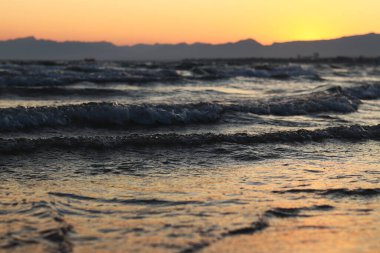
(98, 207)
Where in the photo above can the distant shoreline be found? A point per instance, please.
(347, 60)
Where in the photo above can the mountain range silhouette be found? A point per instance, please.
(31, 48)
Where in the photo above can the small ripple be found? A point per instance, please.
(124, 201)
(340, 192)
(40, 225)
(295, 212)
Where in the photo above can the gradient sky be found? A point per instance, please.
(173, 21)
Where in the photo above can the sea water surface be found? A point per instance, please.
(190, 156)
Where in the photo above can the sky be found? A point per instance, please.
(127, 22)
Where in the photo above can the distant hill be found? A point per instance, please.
(34, 49)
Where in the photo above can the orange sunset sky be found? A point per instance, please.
(174, 21)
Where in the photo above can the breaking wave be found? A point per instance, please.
(367, 91)
(119, 115)
(106, 115)
(301, 105)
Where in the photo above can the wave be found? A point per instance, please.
(351, 133)
(335, 99)
(106, 115)
(70, 73)
(279, 72)
(367, 91)
(109, 115)
(317, 102)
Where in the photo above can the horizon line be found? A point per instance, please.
(181, 43)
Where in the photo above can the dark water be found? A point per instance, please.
(189, 156)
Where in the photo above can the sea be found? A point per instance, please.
(190, 156)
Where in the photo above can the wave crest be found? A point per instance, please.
(106, 115)
(109, 115)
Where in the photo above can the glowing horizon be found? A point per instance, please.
(129, 22)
